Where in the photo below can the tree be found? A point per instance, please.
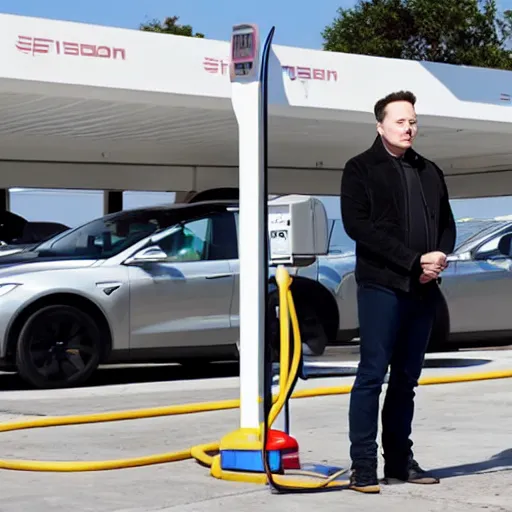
(170, 26)
(465, 32)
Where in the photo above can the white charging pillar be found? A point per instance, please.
(246, 97)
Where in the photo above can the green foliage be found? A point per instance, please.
(465, 32)
(170, 26)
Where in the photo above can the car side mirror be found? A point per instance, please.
(151, 254)
(504, 245)
(464, 256)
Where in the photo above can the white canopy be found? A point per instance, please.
(85, 106)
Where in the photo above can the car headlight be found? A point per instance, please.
(7, 287)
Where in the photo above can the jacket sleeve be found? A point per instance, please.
(447, 226)
(356, 217)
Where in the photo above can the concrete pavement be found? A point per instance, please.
(463, 431)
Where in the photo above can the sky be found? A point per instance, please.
(298, 23)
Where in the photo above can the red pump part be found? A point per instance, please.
(287, 445)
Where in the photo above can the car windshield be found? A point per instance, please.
(470, 230)
(107, 236)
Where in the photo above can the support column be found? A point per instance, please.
(241, 450)
(112, 201)
(183, 196)
(246, 99)
(5, 203)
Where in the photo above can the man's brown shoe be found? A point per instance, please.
(413, 474)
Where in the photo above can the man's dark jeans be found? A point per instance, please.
(394, 330)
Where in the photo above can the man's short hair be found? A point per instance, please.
(380, 107)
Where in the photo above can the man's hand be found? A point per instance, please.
(434, 259)
(424, 279)
(432, 263)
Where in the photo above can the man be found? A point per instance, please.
(394, 205)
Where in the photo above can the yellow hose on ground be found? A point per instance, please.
(201, 453)
(285, 483)
(173, 410)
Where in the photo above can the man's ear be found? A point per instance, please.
(379, 129)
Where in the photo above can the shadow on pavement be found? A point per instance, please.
(115, 375)
(337, 364)
(445, 362)
(500, 462)
(314, 370)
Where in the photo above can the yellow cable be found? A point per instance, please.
(283, 282)
(153, 412)
(193, 408)
(202, 453)
(285, 389)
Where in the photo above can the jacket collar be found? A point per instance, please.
(379, 154)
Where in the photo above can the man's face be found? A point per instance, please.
(399, 127)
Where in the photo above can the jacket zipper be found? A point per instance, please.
(427, 216)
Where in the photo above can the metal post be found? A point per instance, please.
(4, 200)
(112, 201)
(246, 100)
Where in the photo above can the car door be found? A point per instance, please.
(234, 265)
(479, 291)
(185, 301)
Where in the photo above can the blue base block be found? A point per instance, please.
(322, 470)
(249, 461)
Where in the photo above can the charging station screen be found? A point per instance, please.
(243, 46)
(244, 50)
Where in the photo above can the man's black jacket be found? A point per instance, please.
(375, 216)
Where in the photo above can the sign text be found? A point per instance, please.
(220, 67)
(42, 45)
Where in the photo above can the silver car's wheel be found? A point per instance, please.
(59, 346)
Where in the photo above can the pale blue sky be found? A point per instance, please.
(298, 23)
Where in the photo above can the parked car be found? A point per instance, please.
(476, 288)
(161, 284)
(145, 285)
(18, 234)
